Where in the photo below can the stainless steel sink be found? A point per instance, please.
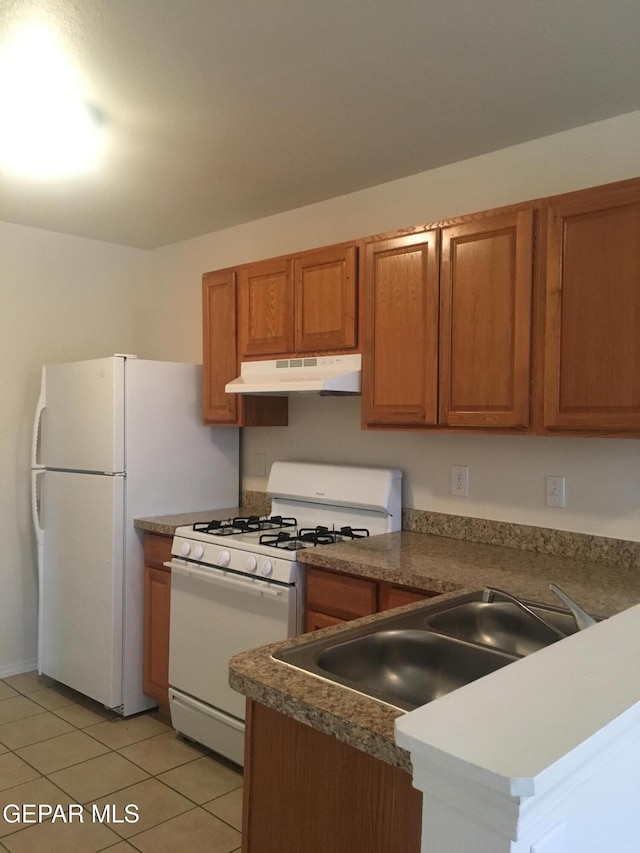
(407, 667)
(502, 625)
(411, 658)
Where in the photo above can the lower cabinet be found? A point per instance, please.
(333, 597)
(157, 608)
(306, 791)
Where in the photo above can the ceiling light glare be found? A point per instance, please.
(46, 127)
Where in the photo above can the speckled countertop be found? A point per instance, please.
(253, 503)
(435, 563)
(443, 565)
(166, 524)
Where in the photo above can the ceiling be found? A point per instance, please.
(219, 112)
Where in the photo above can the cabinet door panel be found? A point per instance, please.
(266, 308)
(219, 347)
(485, 321)
(157, 549)
(592, 345)
(307, 792)
(157, 608)
(342, 596)
(325, 300)
(400, 312)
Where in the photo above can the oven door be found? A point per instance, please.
(214, 615)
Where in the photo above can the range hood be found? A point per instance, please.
(329, 374)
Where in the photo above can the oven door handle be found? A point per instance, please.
(213, 576)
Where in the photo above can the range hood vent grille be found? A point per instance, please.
(329, 374)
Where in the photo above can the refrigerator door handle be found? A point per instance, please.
(36, 473)
(37, 421)
(35, 505)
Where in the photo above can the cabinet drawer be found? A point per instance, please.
(314, 621)
(339, 595)
(395, 596)
(157, 550)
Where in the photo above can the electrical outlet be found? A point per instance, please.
(555, 492)
(261, 465)
(460, 480)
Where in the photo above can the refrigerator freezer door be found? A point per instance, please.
(80, 641)
(83, 421)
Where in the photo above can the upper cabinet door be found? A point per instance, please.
(266, 308)
(400, 329)
(485, 321)
(219, 363)
(325, 300)
(592, 319)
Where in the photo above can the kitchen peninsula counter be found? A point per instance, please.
(434, 563)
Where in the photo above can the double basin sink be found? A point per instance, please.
(412, 658)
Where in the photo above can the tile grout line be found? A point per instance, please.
(110, 750)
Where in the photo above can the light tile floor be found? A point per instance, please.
(60, 749)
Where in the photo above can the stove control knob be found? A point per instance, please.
(252, 564)
(224, 558)
(185, 549)
(198, 552)
(266, 568)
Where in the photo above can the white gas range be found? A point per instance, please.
(237, 584)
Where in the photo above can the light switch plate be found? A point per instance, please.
(555, 492)
(460, 480)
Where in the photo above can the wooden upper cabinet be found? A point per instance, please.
(220, 359)
(400, 331)
(301, 304)
(266, 308)
(325, 300)
(485, 321)
(592, 311)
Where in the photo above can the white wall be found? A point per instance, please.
(506, 473)
(61, 298)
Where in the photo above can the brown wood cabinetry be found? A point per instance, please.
(592, 311)
(307, 791)
(447, 325)
(266, 308)
(518, 319)
(399, 291)
(325, 301)
(485, 321)
(334, 597)
(221, 363)
(297, 305)
(392, 595)
(157, 608)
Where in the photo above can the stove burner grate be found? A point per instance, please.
(319, 535)
(243, 524)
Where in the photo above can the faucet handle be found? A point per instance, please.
(583, 619)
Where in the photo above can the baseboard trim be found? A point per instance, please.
(18, 668)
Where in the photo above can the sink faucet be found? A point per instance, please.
(583, 620)
(490, 593)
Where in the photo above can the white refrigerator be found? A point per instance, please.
(114, 439)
